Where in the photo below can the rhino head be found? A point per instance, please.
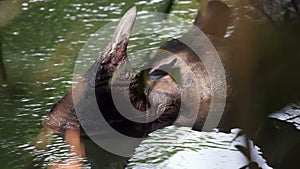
(152, 92)
(98, 79)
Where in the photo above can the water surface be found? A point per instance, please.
(40, 43)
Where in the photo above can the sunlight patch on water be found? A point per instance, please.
(180, 147)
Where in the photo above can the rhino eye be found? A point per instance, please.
(162, 70)
(157, 74)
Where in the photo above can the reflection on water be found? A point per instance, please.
(40, 41)
(174, 147)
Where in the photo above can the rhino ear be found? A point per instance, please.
(216, 20)
(124, 28)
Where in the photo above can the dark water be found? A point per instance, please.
(41, 40)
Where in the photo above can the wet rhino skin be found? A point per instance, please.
(159, 91)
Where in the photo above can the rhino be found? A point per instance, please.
(154, 92)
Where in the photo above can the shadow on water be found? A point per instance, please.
(281, 130)
(8, 11)
(2, 67)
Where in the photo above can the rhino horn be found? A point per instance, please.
(115, 52)
(123, 30)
